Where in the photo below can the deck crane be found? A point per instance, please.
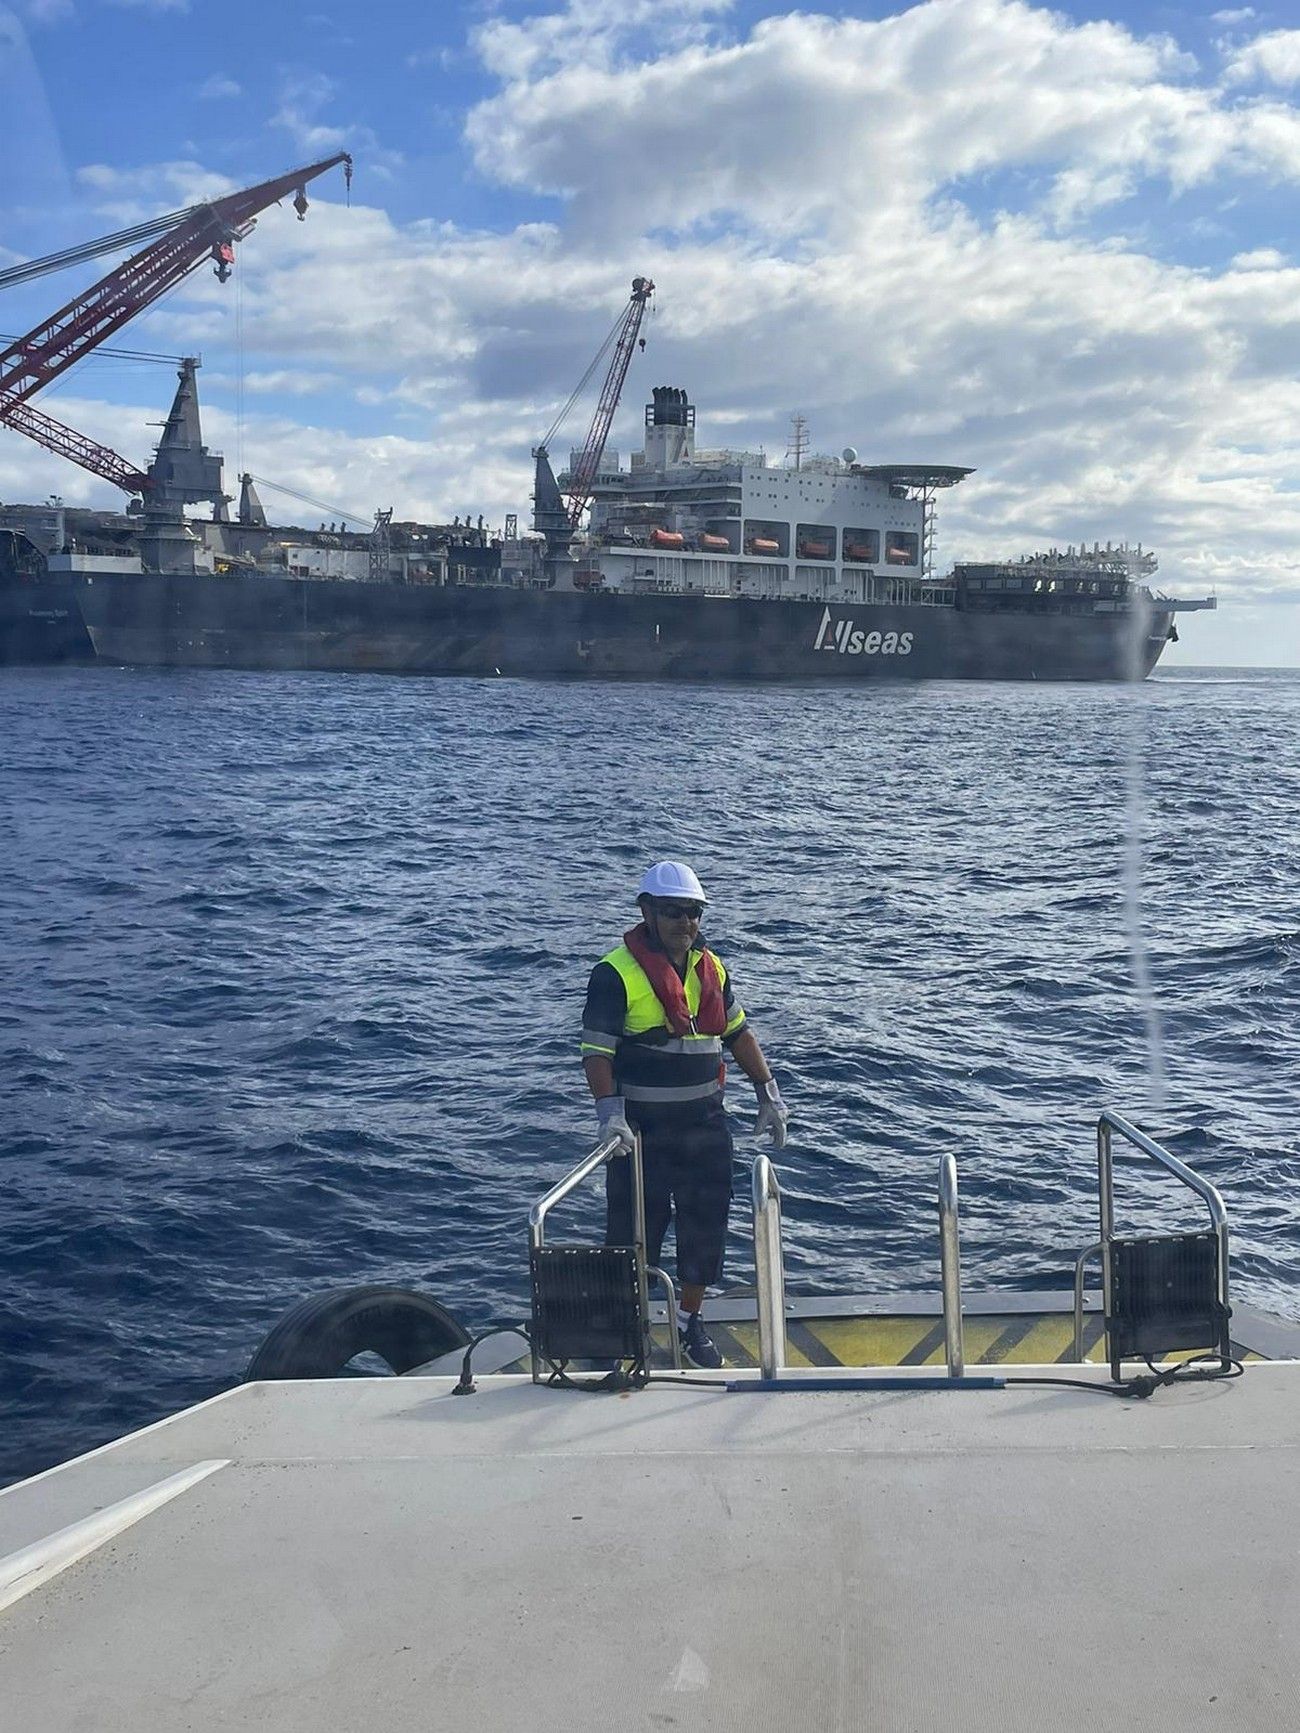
(552, 516)
(205, 231)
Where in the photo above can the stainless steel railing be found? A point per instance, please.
(769, 1267)
(1109, 1123)
(950, 1267)
(612, 1150)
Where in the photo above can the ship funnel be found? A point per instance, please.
(669, 427)
(671, 408)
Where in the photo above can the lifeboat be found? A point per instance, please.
(896, 556)
(857, 551)
(667, 539)
(814, 550)
(715, 544)
(764, 545)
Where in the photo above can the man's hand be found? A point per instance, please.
(612, 1115)
(773, 1114)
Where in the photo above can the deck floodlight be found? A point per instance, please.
(588, 1304)
(1164, 1294)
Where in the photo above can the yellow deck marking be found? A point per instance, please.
(870, 1341)
(746, 1336)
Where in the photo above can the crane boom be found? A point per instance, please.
(100, 460)
(206, 231)
(585, 471)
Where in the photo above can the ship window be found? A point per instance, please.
(861, 547)
(814, 541)
(901, 549)
(767, 536)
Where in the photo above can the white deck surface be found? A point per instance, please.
(380, 1555)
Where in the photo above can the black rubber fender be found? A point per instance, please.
(318, 1337)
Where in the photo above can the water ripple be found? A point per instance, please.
(296, 964)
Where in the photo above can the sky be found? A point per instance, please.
(1057, 245)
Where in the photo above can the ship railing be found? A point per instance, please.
(1108, 1124)
(612, 1149)
(769, 1268)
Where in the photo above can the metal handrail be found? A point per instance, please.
(950, 1265)
(612, 1150)
(1111, 1121)
(1080, 1263)
(769, 1267)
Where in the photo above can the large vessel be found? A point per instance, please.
(696, 564)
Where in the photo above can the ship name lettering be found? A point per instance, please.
(846, 639)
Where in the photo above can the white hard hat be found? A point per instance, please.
(669, 878)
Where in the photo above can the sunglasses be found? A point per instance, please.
(679, 911)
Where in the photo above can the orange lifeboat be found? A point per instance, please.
(814, 550)
(715, 544)
(764, 545)
(667, 539)
(857, 551)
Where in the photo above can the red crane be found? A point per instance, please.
(583, 475)
(207, 231)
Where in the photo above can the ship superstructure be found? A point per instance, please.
(729, 523)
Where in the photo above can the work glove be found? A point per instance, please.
(612, 1115)
(773, 1114)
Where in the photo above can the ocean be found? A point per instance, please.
(296, 963)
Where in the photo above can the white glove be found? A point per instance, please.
(773, 1114)
(612, 1116)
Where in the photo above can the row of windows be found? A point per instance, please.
(822, 542)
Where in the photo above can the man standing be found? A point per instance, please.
(660, 1009)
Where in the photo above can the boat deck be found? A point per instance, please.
(378, 1553)
(906, 1329)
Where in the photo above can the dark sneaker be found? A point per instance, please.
(697, 1347)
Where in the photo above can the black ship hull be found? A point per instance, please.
(174, 620)
(41, 622)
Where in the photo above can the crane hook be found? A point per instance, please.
(300, 203)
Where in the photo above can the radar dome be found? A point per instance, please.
(849, 455)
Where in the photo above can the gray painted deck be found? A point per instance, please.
(379, 1554)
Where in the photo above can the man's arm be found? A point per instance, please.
(747, 1053)
(600, 1074)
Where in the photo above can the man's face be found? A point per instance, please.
(677, 920)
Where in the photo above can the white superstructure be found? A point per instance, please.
(725, 522)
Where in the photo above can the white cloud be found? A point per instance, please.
(1259, 259)
(303, 97)
(1273, 59)
(1236, 15)
(811, 197)
(217, 87)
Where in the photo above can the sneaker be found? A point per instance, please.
(697, 1347)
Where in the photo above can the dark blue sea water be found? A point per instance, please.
(294, 967)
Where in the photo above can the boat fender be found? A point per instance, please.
(319, 1336)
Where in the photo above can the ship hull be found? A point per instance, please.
(260, 622)
(41, 622)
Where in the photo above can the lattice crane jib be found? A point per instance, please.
(587, 468)
(207, 231)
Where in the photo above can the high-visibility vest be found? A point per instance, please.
(651, 1064)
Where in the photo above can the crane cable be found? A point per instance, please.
(306, 499)
(581, 386)
(93, 249)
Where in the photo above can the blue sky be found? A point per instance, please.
(1056, 245)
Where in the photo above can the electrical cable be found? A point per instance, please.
(1193, 1371)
